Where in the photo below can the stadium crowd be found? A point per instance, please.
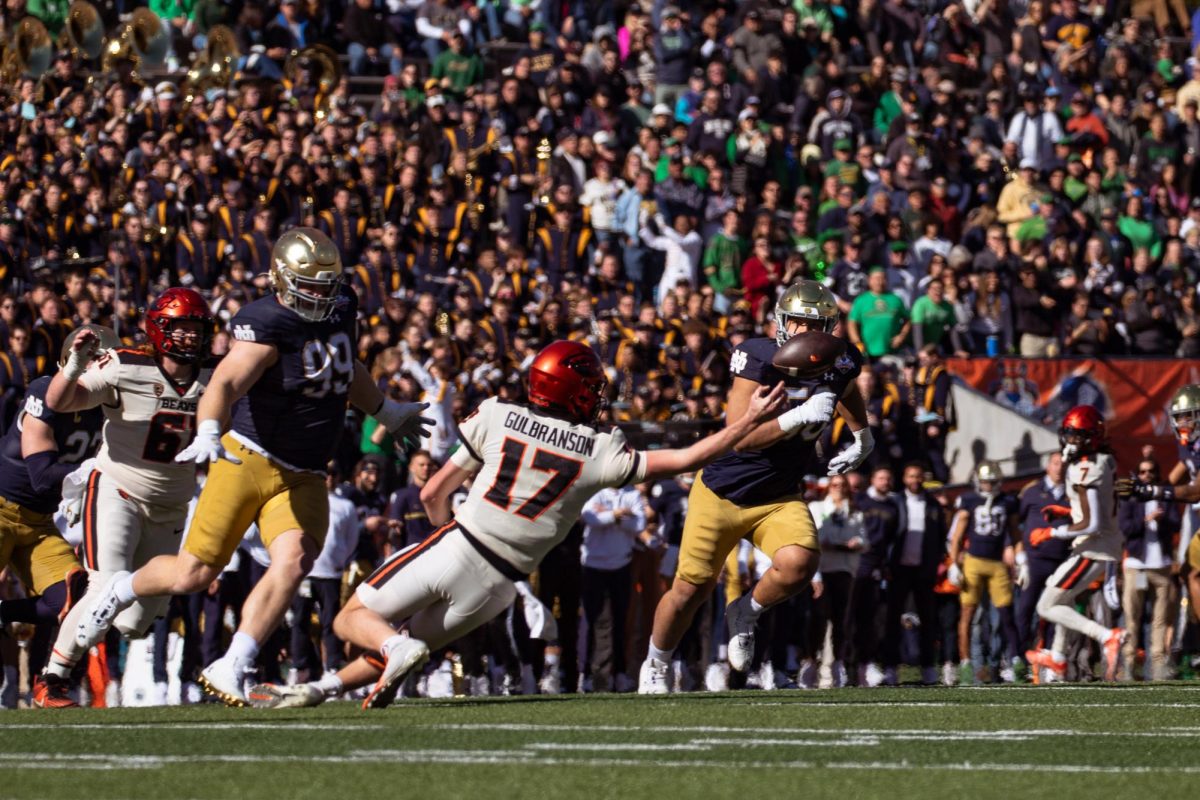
(969, 178)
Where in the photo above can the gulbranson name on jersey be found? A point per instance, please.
(555, 437)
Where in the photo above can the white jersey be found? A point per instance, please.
(536, 472)
(1096, 472)
(148, 420)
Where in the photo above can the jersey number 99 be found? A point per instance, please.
(328, 366)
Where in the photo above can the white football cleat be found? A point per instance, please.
(655, 677)
(809, 674)
(99, 618)
(740, 622)
(716, 677)
(406, 657)
(273, 695)
(551, 683)
(838, 676)
(949, 674)
(225, 679)
(873, 675)
(481, 685)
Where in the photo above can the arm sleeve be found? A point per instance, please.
(1064, 532)
(472, 432)
(620, 464)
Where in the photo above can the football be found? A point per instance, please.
(808, 355)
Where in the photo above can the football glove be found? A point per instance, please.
(816, 409)
(206, 448)
(1023, 576)
(1143, 492)
(855, 454)
(955, 575)
(1052, 512)
(404, 421)
(1039, 536)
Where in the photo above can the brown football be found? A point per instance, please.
(808, 355)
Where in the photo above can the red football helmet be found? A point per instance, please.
(567, 378)
(172, 306)
(1082, 432)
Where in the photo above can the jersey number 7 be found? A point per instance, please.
(563, 472)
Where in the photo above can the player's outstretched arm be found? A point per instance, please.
(435, 494)
(233, 377)
(61, 394)
(763, 404)
(402, 420)
(1132, 487)
(818, 410)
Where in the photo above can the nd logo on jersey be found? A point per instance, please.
(34, 406)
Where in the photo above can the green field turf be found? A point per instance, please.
(1012, 742)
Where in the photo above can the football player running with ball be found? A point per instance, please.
(285, 382)
(755, 491)
(532, 468)
(1096, 541)
(136, 502)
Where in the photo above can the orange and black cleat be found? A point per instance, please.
(51, 691)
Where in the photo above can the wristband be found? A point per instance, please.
(209, 428)
(77, 364)
(865, 438)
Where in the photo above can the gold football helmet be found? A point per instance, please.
(306, 272)
(987, 472)
(1185, 413)
(806, 300)
(108, 340)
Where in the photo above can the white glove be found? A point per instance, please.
(855, 454)
(206, 448)
(1023, 576)
(816, 409)
(404, 421)
(955, 576)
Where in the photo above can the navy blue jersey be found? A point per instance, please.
(670, 501)
(762, 476)
(1033, 498)
(1191, 459)
(295, 411)
(76, 434)
(406, 506)
(988, 525)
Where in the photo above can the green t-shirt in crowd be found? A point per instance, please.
(934, 319)
(880, 317)
(723, 262)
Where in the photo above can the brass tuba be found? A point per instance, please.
(27, 53)
(325, 64)
(214, 67)
(83, 34)
(140, 41)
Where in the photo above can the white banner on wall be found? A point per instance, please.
(986, 429)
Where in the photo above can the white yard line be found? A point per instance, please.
(94, 761)
(916, 734)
